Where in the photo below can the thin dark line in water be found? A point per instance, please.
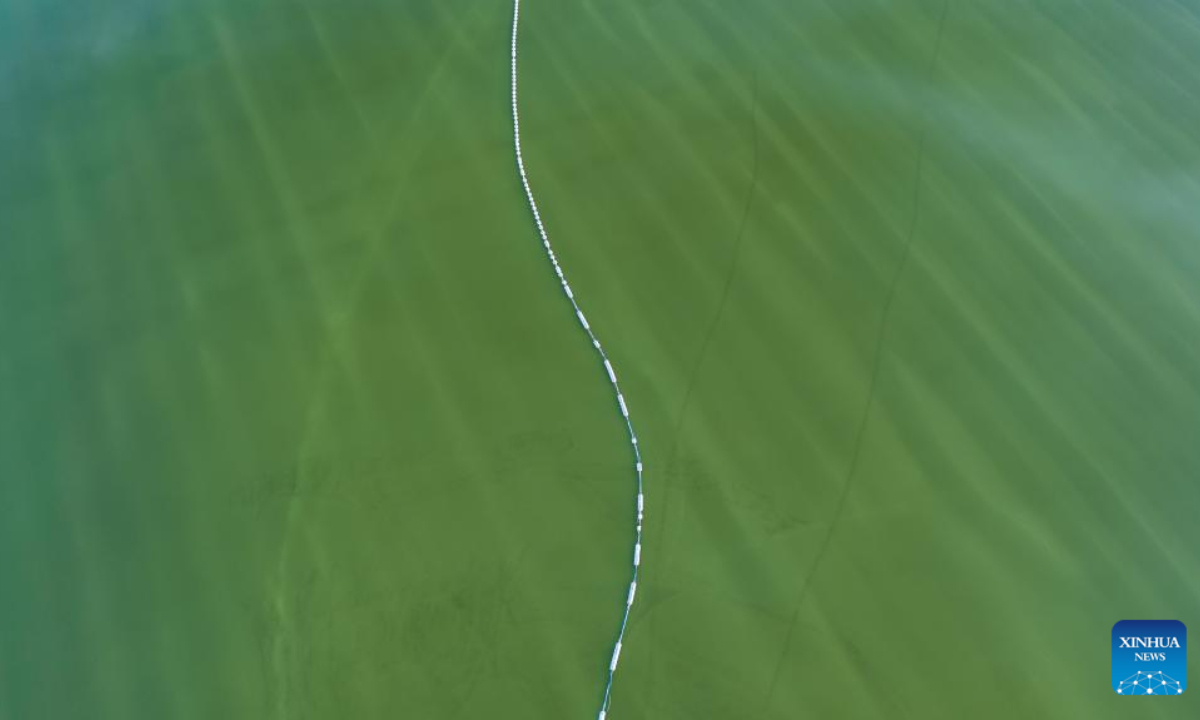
(738, 242)
(877, 363)
(739, 239)
(608, 367)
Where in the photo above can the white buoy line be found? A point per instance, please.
(612, 375)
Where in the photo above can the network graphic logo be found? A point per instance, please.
(1149, 657)
(1152, 683)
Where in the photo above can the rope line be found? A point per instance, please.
(608, 367)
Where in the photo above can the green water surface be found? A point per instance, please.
(296, 424)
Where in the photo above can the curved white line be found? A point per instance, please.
(612, 376)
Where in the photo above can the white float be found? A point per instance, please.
(612, 375)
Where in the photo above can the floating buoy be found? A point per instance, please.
(612, 375)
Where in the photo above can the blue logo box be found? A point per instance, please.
(1149, 657)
